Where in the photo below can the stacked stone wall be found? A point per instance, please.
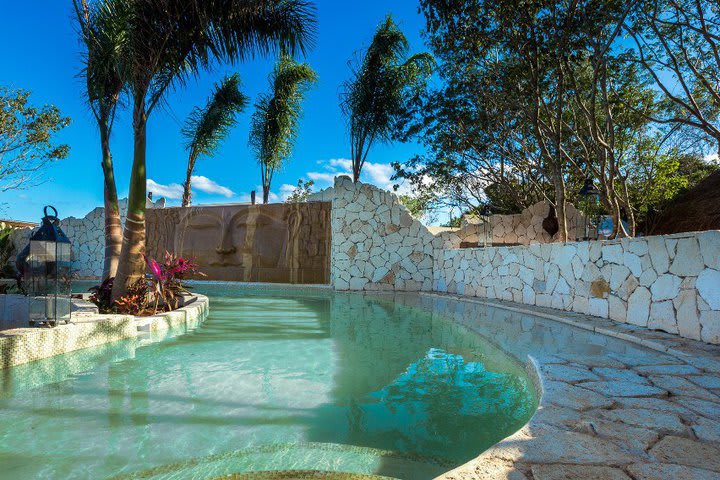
(524, 228)
(669, 283)
(376, 243)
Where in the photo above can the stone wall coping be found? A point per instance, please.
(698, 353)
(616, 241)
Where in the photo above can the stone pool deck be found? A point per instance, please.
(654, 415)
(89, 329)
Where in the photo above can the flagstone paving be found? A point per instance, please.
(648, 416)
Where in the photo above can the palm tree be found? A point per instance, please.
(274, 124)
(206, 127)
(102, 36)
(169, 42)
(376, 93)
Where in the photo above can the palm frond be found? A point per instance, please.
(103, 32)
(380, 81)
(207, 126)
(172, 41)
(274, 125)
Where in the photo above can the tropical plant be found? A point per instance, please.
(302, 192)
(206, 127)
(169, 42)
(101, 295)
(165, 282)
(103, 35)
(275, 122)
(136, 300)
(161, 289)
(27, 139)
(379, 88)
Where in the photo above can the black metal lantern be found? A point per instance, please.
(49, 273)
(589, 197)
(486, 230)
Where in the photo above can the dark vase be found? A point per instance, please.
(550, 224)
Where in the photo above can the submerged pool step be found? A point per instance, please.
(301, 475)
(301, 461)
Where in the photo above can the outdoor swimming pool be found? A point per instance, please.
(270, 381)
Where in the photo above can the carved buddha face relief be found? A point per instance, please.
(232, 237)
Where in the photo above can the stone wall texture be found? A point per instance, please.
(669, 283)
(376, 243)
(524, 228)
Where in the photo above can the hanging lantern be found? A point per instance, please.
(486, 231)
(48, 273)
(589, 197)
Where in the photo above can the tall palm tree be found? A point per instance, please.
(274, 124)
(102, 35)
(206, 127)
(169, 42)
(375, 95)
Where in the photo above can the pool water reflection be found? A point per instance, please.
(273, 381)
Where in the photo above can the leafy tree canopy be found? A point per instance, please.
(27, 139)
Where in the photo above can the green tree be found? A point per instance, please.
(656, 176)
(376, 95)
(167, 43)
(302, 192)
(102, 38)
(27, 139)
(206, 127)
(533, 99)
(274, 125)
(677, 42)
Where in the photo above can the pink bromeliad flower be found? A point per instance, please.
(154, 267)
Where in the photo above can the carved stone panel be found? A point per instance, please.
(278, 243)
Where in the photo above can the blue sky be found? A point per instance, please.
(41, 53)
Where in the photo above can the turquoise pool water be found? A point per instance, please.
(270, 381)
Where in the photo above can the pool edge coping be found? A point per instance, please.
(20, 346)
(506, 459)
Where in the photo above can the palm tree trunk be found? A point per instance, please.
(187, 193)
(266, 193)
(113, 225)
(132, 265)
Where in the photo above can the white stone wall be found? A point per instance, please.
(526, 228)
(523, 228)
(669, 283)
(376, 243)
(87, 235)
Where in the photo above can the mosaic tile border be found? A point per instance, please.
(24, 345)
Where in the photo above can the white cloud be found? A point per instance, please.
(206, 185)
(286, 190)
(321, 177)
(712, 158)
(378, 174)
(173, 191)
(344, 164)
